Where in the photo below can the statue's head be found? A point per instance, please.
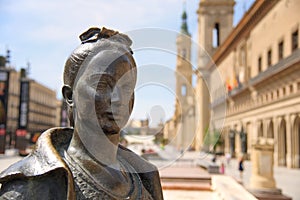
(99, 80)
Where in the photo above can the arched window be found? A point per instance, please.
(259, 64)
(282, 146)
(270, 133)
(260, 130)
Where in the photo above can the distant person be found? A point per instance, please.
(241, 167)
(214, 159)
(222, 168)
(228, 158)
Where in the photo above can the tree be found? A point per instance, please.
(2, 61)
(213, 140)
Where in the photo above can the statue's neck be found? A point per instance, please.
(109, 171)
(88, 144)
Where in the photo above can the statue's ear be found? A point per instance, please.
(131, 103)
(67, 94)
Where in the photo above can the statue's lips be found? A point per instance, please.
(114, 116)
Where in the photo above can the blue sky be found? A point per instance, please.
(44, 33)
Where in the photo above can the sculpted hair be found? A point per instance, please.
(93, 41)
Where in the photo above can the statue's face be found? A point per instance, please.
(105, 91)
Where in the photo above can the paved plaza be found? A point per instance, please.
(288, 180)
(9, 158)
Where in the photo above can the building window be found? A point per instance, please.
(248, 75)
(295, 40)
(269, 57)
(259, 64)
(183, 90)
(243, 58)
(272, 95)
(291, 89)
(280, 50)
(183, 53)
(216, 35)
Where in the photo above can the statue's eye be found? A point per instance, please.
(102, 85)
(100, 82)
(127, 87)
(93, 82)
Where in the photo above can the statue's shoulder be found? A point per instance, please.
(41, 174)
(148, 172)
(38, 161)
(136, 161)
(52, 185)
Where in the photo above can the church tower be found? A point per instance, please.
(215, 22)
(184, 70)
(184, 109)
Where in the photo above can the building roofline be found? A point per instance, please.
(211, 3)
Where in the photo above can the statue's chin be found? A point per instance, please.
(111, 133)
(112, 126)
(111, 130)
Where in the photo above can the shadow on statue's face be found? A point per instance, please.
(106, 92)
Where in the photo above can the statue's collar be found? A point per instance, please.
(44, 158)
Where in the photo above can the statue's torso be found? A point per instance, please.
(87, 187)
(47, 174)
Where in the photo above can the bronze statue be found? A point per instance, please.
(87, 161)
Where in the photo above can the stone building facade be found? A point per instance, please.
(13, 101)
(42, 108)
(169, 130)
(27, 108)
(9, 92)
(259, 63)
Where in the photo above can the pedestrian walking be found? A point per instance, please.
(214, 159)
(241, 167)
(228, 158)
(222, 168)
